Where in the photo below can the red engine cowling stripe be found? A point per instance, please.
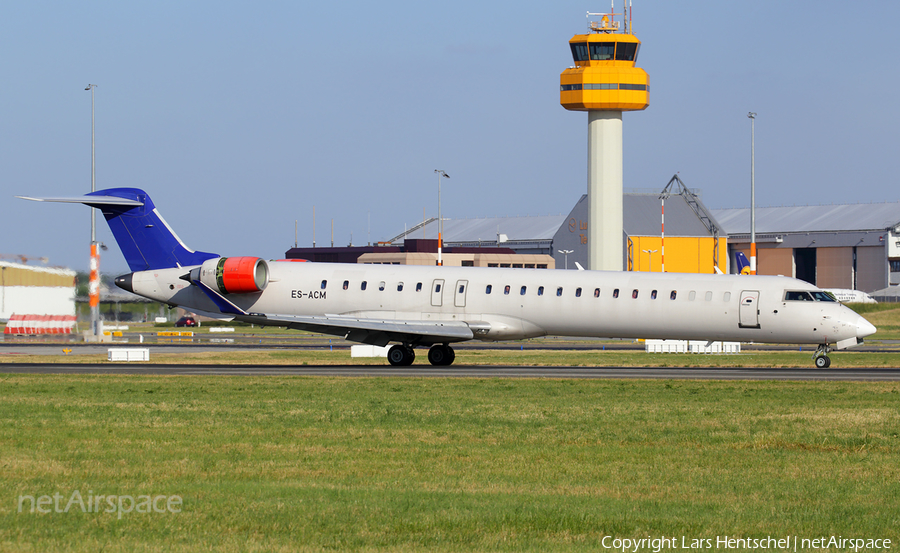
(239, 275)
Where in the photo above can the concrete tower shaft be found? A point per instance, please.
(605, 223)
(605, 82)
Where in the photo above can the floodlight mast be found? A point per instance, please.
(94, 283)
(441, 175)
(752, 116)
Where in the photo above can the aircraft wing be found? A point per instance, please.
(376, 332)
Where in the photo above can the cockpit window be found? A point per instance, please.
(579, 51)
(804, 295)
(823, 296)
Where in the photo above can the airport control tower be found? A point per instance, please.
(604, 82)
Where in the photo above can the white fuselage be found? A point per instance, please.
(538, 302)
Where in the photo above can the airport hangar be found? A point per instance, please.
(34, 290)
(855, 246)
(692, 240)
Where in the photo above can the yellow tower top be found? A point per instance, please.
(604, 76)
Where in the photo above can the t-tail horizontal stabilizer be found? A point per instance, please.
(146, 240)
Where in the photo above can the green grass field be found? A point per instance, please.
(313, 464)
(527, 357)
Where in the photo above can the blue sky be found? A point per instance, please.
(239, 117)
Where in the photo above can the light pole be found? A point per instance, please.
(752, 116)
(94, 284)
(441, 175)
(649, 259)
(566, 254)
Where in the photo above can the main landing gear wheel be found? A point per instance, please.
(441, 355)
(821, 356)
(401, 355)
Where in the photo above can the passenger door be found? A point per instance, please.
(749, 310)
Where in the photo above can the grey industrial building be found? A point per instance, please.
(855, 246)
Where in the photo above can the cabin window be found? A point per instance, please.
(708, 296)
(399, 286)
(559, 291)
(487, 289)
(673, 295)
(346, 284)
(727, 296)
(362, 285)
(462, 288)
(506, 290)
(381, 286)
(634, 294)
(437, 288)
(653, 295)
(578, 292)
(616, 293)
(540, 290)
(324, 284)
(522, 291)
(596, 292)
(418, 287)
(692, 295)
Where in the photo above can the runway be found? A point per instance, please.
(693, 373)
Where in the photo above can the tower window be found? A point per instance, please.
(602, 50)
(626, 51)
(579, 51)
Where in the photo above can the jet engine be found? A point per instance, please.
(235, 275)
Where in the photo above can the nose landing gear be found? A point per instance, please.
(821, 356)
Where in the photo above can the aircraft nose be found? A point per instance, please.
(864, 328)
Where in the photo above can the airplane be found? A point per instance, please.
(842, 295)
(743, 266)
(433, 307)
(846, 295)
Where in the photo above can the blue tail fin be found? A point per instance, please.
(743, 266)
(146, 240)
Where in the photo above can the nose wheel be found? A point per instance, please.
(821, 356)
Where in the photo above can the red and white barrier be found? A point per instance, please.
(32, 325)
